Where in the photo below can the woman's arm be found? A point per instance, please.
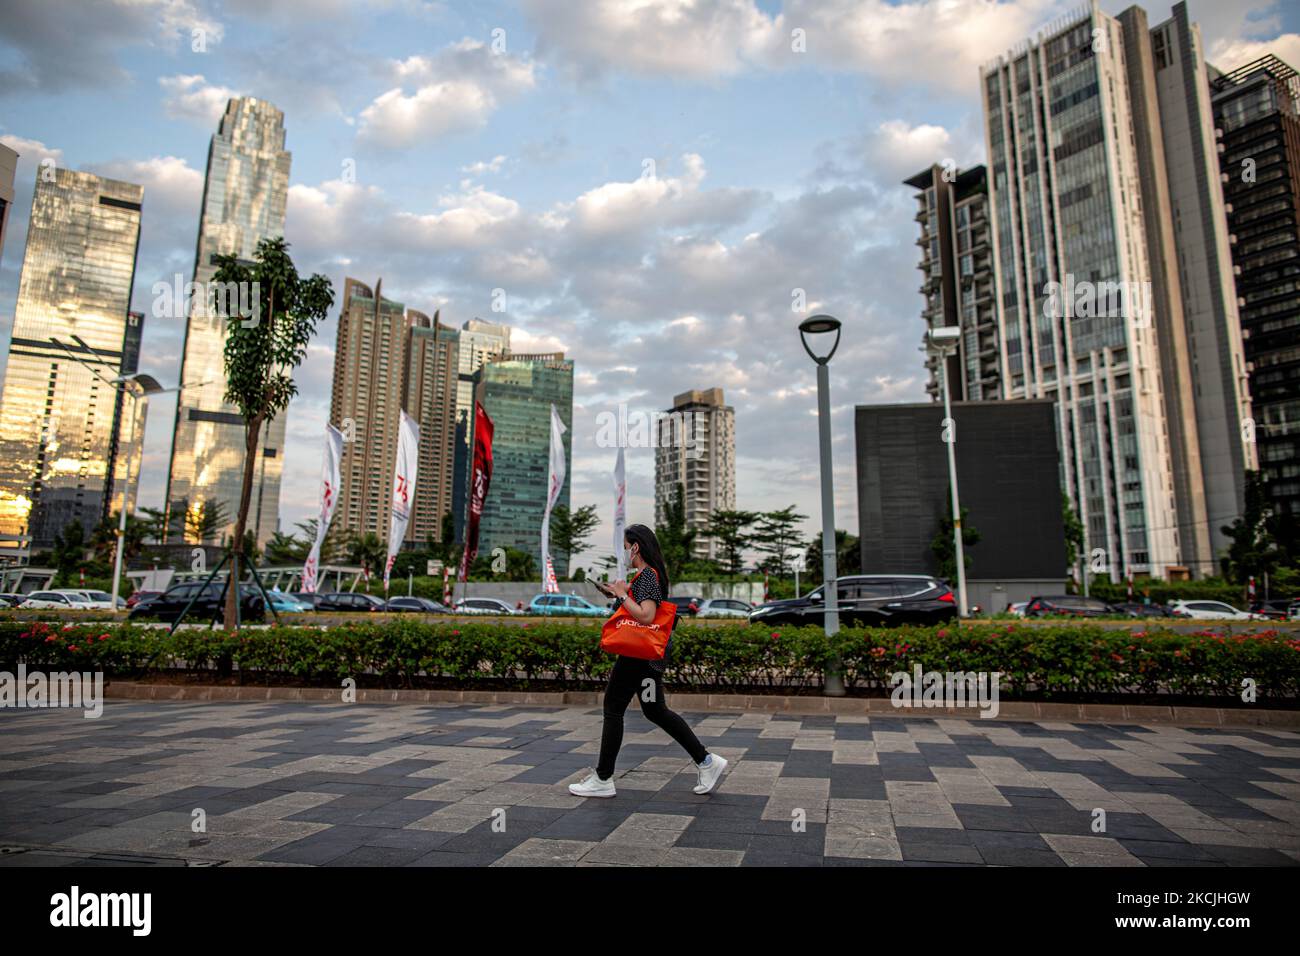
(643, 612)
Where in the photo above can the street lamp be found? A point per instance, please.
(811, 328)
(942, 342)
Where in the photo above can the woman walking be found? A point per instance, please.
(641, 678)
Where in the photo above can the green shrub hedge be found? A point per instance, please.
(1043, 661)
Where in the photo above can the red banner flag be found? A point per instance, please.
(480, 480)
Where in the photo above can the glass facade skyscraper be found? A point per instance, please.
(517, 393)
(63, 436)
(244, 199)
(479, 342)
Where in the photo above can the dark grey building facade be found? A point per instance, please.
(1009, 480)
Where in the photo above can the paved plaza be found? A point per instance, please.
(467, 785)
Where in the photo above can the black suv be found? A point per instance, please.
(209, 603)
(418, 605)
(348, 601)
(867, 600)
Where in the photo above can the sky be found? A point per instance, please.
(649, 186)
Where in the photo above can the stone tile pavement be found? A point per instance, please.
(285, 783)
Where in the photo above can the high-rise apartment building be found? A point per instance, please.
(61, 424)
(517, 392)
(957, 277)
(386, 359)
(244, 198)
(1257, 116)
(695, 447)
(1110, 259)
(480, 342)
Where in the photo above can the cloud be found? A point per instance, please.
(480, 168)
(65, 45)
(193, 98)
(1229, 54)
(454, 91)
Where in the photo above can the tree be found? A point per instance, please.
(571, 529)
(730, 529)
(675, 538)
(848, 555)
(262, 349)
(1074, 536)
(1254, 550)
(69, 550)
(944, 548)
(368, 551)
(154, 523)
(778, 533)
(104, 538)
(287, 548)
(204, 520)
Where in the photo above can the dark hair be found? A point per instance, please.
(645, 539)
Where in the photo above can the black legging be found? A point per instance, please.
(627, 680)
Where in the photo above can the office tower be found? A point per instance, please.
(58, 418)
(480, 342)
(1110, 293)
(1257, 114)
(8, 169)
(366, 404)
(695, 447)
(517, 393)
(957, 277)
(432, 380)
(244, 199)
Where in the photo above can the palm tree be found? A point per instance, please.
(204, 520)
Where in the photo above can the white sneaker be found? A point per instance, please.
(710, 775)
(593, 786)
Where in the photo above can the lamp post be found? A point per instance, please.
(810, 328)
(148, 385)
(942, 342)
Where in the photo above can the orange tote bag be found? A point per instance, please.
(625, 635)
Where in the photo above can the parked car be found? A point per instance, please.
(417, 605)
(308, 598)
(209, 603)
(139, 596)
(1017, 609)
(481, 605)
(724, 607)
(99, 600)
(56, 600)
(1068, 605)
(867, 600)
(11, 600)
(1212, 611)
(348, 601)
(565, 605)
(1275, 609)
(687, 606)
(1137, 609)
(287, 603)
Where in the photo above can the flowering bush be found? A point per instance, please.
(1045, 660)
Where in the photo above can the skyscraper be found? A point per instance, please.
(8, 169)
(696, 448)
(60, 423)
(244, 199)
(479, 342)
(1110, 269)
(957, 277)
(517, 393)
(431, 383)
(1257, 113)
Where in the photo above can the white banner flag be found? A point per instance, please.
(329, 500)
(620, 514)
(404, 473)
(555, 482)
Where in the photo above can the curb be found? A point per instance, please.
(763, 703)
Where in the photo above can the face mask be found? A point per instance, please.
(627, 557)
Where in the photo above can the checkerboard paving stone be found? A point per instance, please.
(308, 784)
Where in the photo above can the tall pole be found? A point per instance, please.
(830, 590)
(126, 495)
(950, 438)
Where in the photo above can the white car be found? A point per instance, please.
(1017, 609)
(476, 605)
(56, 600)
(1212, 611)
(724, 607)
(99, 600)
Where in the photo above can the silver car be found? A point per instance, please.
(725, 607)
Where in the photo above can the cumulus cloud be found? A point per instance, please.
(453, 91)
(1229, 54)
(191, 97)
